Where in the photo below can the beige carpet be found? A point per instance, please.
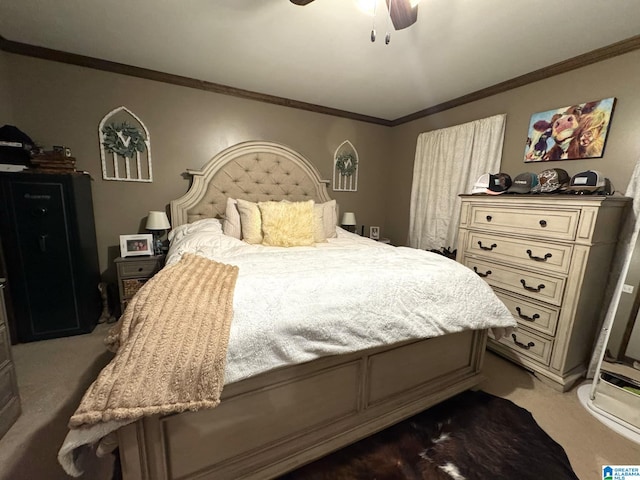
(53, 374)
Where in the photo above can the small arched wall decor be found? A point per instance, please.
(125, 147)
(346, 165)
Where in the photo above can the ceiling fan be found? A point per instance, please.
(403, 13)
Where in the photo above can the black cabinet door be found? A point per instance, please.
(42, 235)
(48, 238)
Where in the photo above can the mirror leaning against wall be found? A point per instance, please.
(614, 395)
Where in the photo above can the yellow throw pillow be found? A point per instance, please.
(250, 221)
(287, 224)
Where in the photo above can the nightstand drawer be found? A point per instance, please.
(537, 317)
(529, 253)
(529, 344)
(558, 224)
(540, 287)
(143, 268)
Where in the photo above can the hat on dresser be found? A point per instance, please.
(524, 183)
(589, 181)
(553, 180)
(492, 184)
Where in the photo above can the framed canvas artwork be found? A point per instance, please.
(569, 133)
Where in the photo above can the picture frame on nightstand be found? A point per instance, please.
(136, 245)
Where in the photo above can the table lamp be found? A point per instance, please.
(157, 222)
(349, 221)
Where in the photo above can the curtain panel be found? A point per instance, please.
(448, 162)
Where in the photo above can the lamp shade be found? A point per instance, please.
(349, 218)
(158, 221)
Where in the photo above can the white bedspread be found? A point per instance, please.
(293, 305)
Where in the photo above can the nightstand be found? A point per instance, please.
(133, 272)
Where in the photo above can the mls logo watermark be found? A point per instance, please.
(621, 472)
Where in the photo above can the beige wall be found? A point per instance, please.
(616, 77)
(63, 104)
(6, 105)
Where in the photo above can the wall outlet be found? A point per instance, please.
(627, 288)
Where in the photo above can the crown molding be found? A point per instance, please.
(598, 55)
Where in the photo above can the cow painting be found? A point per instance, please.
(567, 133)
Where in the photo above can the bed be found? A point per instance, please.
(275, 417)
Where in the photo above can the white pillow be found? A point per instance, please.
(231, 225)
(329, 218)
(250, 221)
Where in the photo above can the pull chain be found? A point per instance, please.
(387, 37)
(373, 28)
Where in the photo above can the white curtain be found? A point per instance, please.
(448, 162)
(619, 268)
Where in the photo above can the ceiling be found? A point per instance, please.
(321, 53)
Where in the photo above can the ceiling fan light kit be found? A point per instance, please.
(402, 13)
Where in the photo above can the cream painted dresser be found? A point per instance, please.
(9, 399)
(547, 257)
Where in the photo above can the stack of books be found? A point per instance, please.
(53, 162)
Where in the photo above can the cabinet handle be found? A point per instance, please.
(475, 269)
(538, 259)
(525, 317)
(493, 245)
(140, 269)
(531, 289)
(42, 241)
(489, 218)
(520, 344)
(543, 223)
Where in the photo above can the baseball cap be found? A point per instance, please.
(588, 181)
(553, 180)
(524, 183)
(492, 184)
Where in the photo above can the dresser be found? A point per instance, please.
(547, 257)
(9, 399)
(133, 272)
(49, 241)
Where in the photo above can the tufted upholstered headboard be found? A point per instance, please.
(255, 171)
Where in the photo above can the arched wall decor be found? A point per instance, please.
(125, 147)
(346, 165)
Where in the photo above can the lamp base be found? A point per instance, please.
(349, 228)
(157, 243)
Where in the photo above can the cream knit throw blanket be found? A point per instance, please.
(171, 346)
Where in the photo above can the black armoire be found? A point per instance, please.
(49, 242)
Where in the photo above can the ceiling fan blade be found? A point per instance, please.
(402, 14)
(301, 2)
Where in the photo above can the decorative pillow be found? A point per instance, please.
(287, 224)
(330, 218)
(250, 221)
(231, 225)
(318, 224)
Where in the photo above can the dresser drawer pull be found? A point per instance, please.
(531, 289)
(525, 317)
(493, 245)
(140, 269)
(538, 259)
(489, 218)
(543, 223)
(520, 344)
(475, 269)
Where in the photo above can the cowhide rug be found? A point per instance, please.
(473, 436)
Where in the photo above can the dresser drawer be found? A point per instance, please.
(530, 345)
(537, 317)
(537, 286)
(7, 391)
(138, 269)
(557, 224)
(529, 253)
(4, 346)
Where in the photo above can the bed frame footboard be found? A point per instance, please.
(280, 420)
